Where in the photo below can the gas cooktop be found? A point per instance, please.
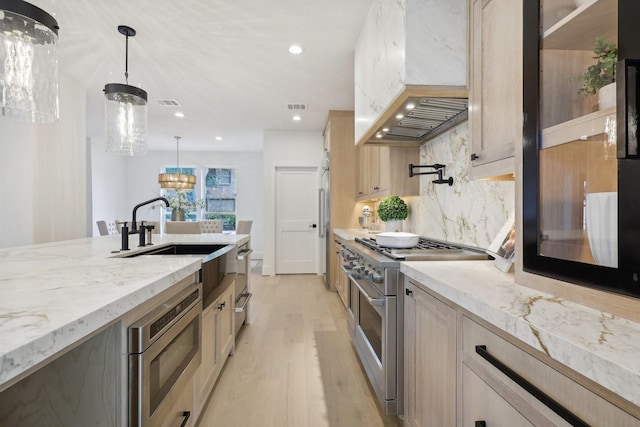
(426, 250)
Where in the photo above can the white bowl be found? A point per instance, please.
(397, 239)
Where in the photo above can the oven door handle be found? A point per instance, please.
(371, 300)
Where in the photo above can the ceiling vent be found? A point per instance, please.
(168, 102)
(297, 107)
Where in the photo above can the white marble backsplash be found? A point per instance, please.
(407, 42)
(469, 212)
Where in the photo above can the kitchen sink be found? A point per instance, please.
(184, 249)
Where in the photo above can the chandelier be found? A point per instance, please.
(126, 111)
(177, 181)
(28, 63)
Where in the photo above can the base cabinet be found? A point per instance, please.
(429, 360)
(459, 371)
(217, 344)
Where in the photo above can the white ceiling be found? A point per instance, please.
(225, 61)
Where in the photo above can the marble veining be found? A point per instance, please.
(407, 42)
(469, 212)
(55, 294)
(598, 345)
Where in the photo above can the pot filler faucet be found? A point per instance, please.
(134, 230)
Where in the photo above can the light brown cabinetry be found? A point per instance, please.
(217, 344)
(495, 95)
(384, 171)
(338, 141)
(451, 376)
(568, 392)
(342, 280)
(430, 365)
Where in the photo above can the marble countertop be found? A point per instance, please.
(351, 234)
(598, 345)
(56, 294)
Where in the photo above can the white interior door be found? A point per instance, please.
(296, 220)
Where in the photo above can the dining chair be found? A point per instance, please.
(211, 226)
(244, 227)
(182, 227)
(106, 228)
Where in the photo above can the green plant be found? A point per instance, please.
(603, 71)
(392, 208)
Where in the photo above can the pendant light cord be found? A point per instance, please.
(178, 154)
(126, 58)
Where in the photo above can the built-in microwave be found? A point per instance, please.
(581, 148)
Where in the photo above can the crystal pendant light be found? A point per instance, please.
(126, 112)
(28, 63)
(177, 181)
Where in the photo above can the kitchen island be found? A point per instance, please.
(55, 296)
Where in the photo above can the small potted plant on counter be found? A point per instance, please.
(600, 78)
(393, 210)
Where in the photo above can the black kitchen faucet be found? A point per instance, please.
(134, 230)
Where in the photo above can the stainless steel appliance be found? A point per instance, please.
(164, 353)
(375, 313)
(324, 219)
(242, 290)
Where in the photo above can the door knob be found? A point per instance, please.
(313, 226)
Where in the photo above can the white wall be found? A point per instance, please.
(120, 183)
(304, 149)
(44, 174)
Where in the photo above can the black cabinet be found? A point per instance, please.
(581, 157)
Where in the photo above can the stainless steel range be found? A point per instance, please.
(375, 313)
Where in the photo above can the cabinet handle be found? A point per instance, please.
(221, 306)
(474, 157)
(481, 424)
(408, 292)
(556, 407)
(186, 415)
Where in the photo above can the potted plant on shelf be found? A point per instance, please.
(393, 210)
(600, 77)
(182, 204)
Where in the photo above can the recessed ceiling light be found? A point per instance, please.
(218, 138)
(179, 114)
(400, 116)
(379, 135)
(410, 106)
(297, 118)
(294, 49)
(385, 129)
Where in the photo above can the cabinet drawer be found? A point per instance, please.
(492, 408)
(567, 392)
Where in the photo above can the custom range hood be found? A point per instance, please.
(411, 71)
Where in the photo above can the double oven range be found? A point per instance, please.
(375, 307)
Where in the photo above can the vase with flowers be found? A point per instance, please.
(182, 203)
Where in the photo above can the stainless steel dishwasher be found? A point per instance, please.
(242, 289)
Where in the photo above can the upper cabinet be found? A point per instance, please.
(384, 171)
(410, 51)
(495, 90)
(581, 161)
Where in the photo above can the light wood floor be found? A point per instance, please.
(294, 365)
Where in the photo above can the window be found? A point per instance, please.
(221, 190)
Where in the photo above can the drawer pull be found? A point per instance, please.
(556, 407)
(186, 415)
(481, 424)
